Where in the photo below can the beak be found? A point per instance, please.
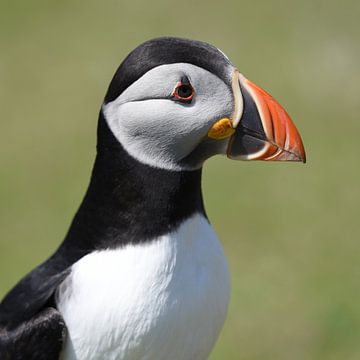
(263, 129)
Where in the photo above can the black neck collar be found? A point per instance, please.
(130, 202)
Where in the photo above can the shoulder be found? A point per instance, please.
(33, 293)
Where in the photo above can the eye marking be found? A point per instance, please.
(183, 91)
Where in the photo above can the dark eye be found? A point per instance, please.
(184, 92)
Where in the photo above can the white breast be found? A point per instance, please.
(163, 300)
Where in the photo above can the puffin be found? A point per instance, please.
(140, 274)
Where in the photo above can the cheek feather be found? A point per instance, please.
(163, 132)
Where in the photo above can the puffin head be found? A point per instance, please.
(173, 103)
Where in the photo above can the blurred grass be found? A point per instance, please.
(291, 232)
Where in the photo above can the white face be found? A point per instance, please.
(158, 130)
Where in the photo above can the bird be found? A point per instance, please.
(141, 274)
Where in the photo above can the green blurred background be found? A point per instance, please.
(291, 231)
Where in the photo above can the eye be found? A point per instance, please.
(184, 92)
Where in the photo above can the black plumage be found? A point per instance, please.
(126, 202)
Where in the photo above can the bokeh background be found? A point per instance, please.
(290, 231)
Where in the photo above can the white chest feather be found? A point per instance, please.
(163, 300)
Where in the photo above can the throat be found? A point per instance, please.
(130, 202)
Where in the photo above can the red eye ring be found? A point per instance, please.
(183, 92)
